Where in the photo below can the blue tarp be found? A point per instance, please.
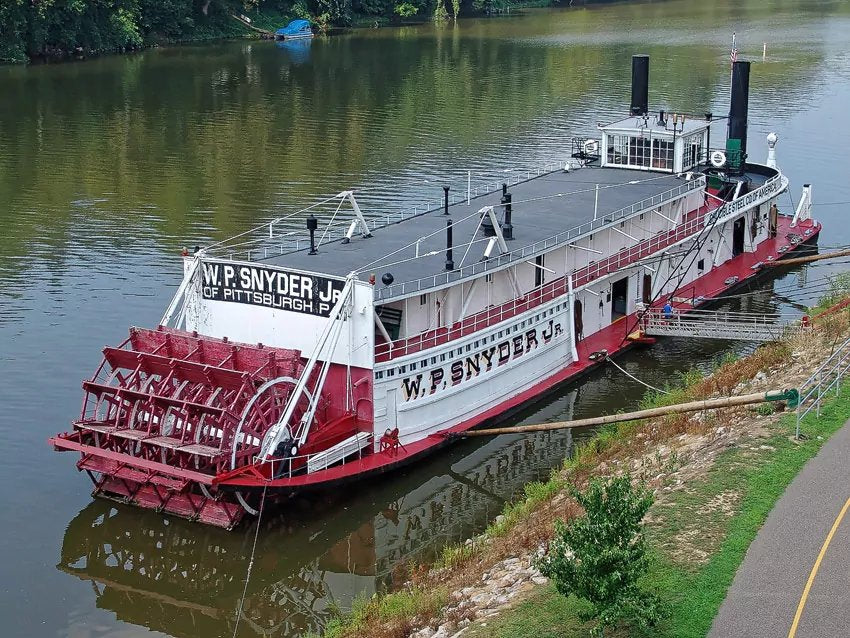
(295, 27)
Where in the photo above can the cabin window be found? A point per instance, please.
(402, 369)
(701, 264)
(468, 347)
(693, 150)
(639, 151)
(618, 149)
(433, 360)
(423, 299)
(390, 372)
(488, 277)
(425, 363)
(412, 367)
(662, 154)
(442, 357)
(379, 375)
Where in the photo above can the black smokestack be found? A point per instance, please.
(736, 143)
(640, 85)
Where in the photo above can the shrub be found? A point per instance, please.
(601, 556)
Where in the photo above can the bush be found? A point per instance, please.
(601, 556)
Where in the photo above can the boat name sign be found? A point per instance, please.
(270, 287)
(472, 365)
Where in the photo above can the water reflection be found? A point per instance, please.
(313, 555)
(109, 167)
(298, 51)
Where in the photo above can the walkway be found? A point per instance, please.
(764, 597)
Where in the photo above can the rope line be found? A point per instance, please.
(634, 378)
(251, 562)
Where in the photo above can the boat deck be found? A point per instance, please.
(542, 207)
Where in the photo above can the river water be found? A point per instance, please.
(108, 167)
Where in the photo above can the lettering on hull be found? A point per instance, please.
(270, 288)
(482, 362)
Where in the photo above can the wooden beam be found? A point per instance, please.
(680, 408)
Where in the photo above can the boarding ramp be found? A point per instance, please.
(719, 324)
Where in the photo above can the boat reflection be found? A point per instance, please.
(313, 557)
(297, 50)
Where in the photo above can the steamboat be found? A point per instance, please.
(286, 364)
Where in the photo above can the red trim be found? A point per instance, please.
(62, 443)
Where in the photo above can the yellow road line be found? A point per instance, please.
(815, 568)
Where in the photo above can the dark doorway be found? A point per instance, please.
(578, 321)
(738, 237)
(538, 271)
(647, 288)
(619, 298)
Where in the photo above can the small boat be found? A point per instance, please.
(295, 30)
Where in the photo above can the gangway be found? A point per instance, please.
(719, 324)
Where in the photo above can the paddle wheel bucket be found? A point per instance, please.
(168, 411)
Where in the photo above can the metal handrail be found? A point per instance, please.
(301, 460)
(823, 380)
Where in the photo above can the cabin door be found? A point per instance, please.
(619, 298)
(647, 288)
(578, 321)
(773, 220)
(738, 237)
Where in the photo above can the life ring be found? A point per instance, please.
(718, 159)
(590, 147)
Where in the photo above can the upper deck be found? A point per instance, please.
(547, 211)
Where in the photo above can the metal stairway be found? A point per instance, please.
(719, 324)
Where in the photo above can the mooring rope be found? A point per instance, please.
(633, 377)
(251, 562)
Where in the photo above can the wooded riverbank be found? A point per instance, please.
(58, 29)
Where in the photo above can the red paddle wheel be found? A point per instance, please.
(168, 411)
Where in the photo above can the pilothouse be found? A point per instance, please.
(288, 363)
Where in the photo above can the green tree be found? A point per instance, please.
(601, 556)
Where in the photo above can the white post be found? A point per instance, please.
(764, 52)
(596, 202)
(468, 187)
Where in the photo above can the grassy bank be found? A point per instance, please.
(700, 534)
(716, 475)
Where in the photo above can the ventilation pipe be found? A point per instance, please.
(450, 263)
(640, 85)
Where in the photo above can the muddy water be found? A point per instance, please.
(108, 167)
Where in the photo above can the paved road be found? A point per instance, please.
(764, 597)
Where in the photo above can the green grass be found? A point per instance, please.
(694, 589)
(544, 614)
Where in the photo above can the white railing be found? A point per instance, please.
(823, 381)
(293, 465)
(771, 187)
(719, 324)
(530, 251)
(292, 237)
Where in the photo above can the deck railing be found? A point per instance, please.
(546, 292)
(823, 382)
(530, 251)
(293, 465)
(281, 238)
